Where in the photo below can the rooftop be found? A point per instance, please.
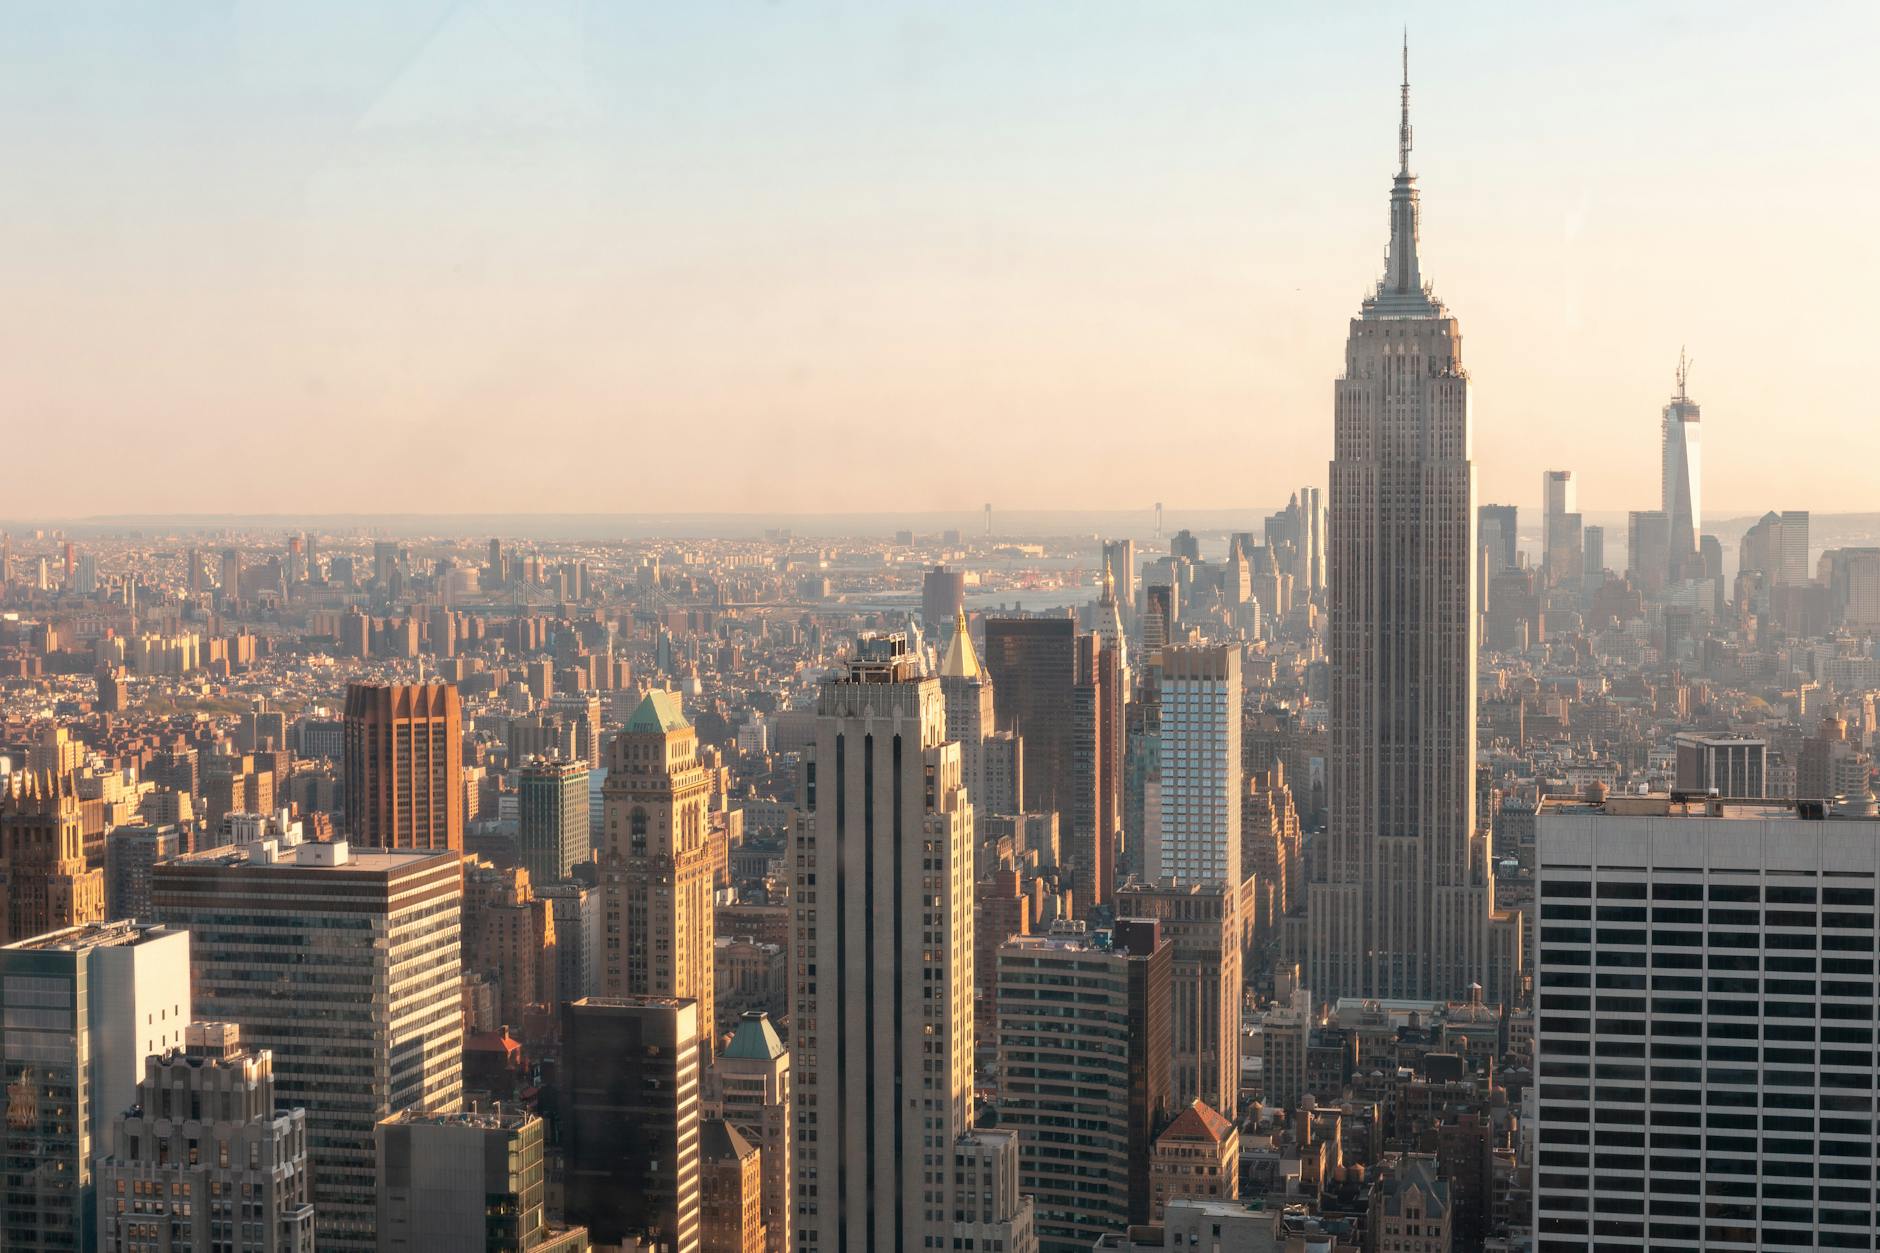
(336, 856)
(1699, 805)
(755, 1039)
(1198, 1122)
(496, 1117)
(94, 935)
(659, 712)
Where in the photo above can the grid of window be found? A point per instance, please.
(1706, 1058)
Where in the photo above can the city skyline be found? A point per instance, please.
(1417, 867)
(483, 214)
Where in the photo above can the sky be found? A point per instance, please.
(615, 256)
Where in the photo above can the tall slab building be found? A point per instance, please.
(882, 913)
(1402, 903)
(403, 765)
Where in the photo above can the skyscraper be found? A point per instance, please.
(1096, 1008)
(1498, 541)
(1680, 467)
(1706, 1079)
(942, 599)
(345, 963)
(49, 881)
(630, 1118)
(656, 869)
(1196, 826)
(882, 908)
(1062, 694)
(971, 717)
(552, 818)
(1119, 561)
(1203, 923)
(80, 1009)
(1402, 907)
(403, 765)
(1648, 549)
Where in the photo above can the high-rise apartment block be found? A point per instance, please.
(80, 1009)
(552, 818)
(656, 867)
(1194, 822)
(1406, 886)
(630, 1118)
(344, 962)
(1707, 998)
(403, 765)
(882, 914)
(205, 1162)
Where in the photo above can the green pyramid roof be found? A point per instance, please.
(755, 1039)
(660, 712)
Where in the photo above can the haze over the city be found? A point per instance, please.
(444, 256)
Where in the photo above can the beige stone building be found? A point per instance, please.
(656, 863)
(1198, 1154)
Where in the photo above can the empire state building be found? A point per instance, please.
(1401, 906)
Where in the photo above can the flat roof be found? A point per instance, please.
(94, 935)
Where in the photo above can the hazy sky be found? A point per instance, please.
(630, 255)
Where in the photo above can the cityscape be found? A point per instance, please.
(1413, 863)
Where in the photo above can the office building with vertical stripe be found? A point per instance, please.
(402, 755)
(882, 911)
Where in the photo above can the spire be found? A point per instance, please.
(1403, 128)
(961, 662)
(1401, 293)
(1684, 372)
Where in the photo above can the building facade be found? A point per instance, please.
(470, 1182)
(656, 867)
(1197, 820)
(346, 965)
(630, 1119)
(80, 1009)
(750, 1089)
(882, 910)
(402, 765)
(552, 818)
(1705, 1052)
(205, 1162)
(1084, 1027)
